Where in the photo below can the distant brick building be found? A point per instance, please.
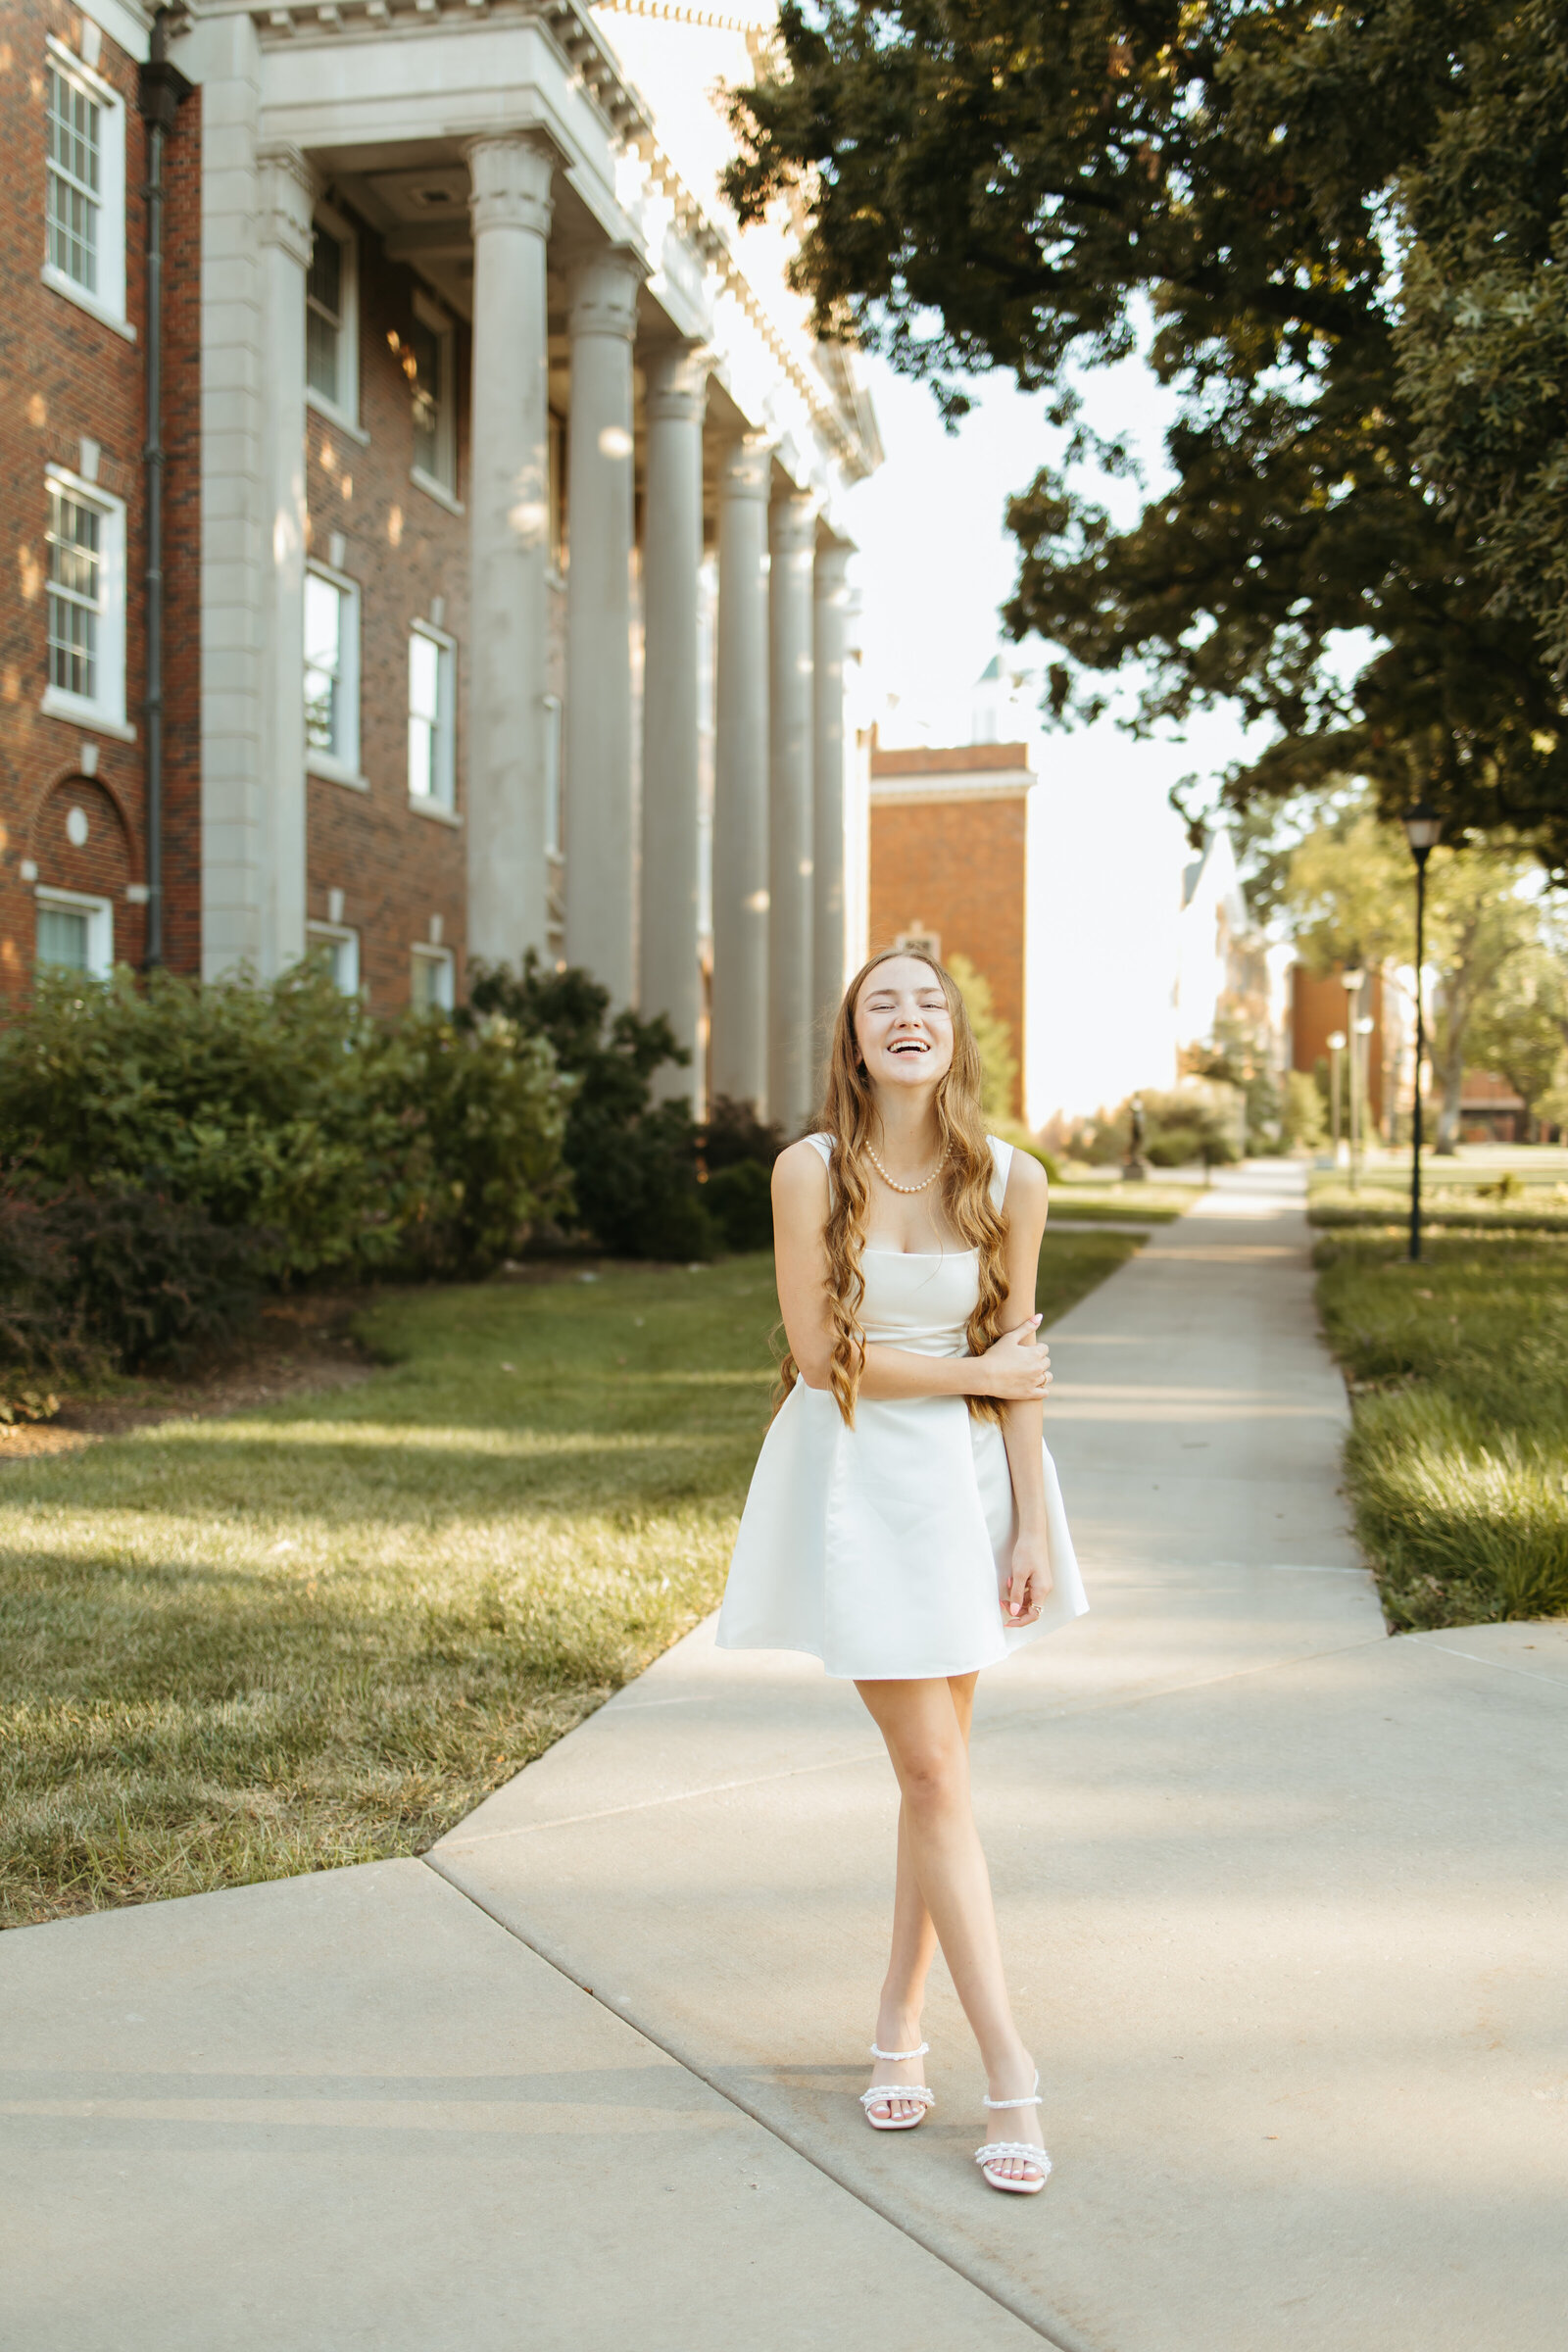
(950, 862)
(505, 605)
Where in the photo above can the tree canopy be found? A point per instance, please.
(1021, 183)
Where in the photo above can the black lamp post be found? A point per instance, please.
(1422, 828)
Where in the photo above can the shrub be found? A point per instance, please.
(93, 1280)
(481, 1113)
(280, 1111)
(633, 1161)
(248, 1102)
(41, 1335)
(739, 1199)
(734, 1132)
(152, 1278)
(1174, 1147)
(1305, 1127)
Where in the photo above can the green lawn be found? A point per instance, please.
(320, 1633)
(1150, 1203)
(1502, 1191)
(1458, 1454)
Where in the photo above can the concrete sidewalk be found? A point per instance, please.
(1284, 1901)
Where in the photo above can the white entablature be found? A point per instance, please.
(365, 87)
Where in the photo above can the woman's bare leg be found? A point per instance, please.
(928, 1746)
(915, 1944)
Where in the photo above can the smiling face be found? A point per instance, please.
(902, 1025)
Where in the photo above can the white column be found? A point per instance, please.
(828, 945)
(791, 1048)
(509, 543)
(672, 555)
(738, 1054)
(600, 819)
(287, 203)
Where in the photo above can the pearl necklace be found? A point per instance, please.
(891, 1181)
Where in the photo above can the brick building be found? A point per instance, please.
(950, 862)
(503, 600)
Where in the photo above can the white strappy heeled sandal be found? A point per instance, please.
(881, 2095)
(1001, 2151)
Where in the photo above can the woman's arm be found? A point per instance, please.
(1023, 1422)
(1013, 1369)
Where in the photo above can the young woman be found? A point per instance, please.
(905, 1524)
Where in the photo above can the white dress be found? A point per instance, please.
(884, 1550)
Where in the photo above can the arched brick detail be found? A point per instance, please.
(106, 864)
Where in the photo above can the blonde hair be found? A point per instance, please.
(849, 1117)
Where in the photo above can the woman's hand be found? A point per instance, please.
(1031, 1581)
(1014, 1368)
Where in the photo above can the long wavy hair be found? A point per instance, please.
(848, 1116)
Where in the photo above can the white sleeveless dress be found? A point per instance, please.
(884, 1550)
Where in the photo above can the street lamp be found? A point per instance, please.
(1336, 1044)
(1354, 980)
(1421, 830)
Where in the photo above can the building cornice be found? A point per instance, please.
(570, 31)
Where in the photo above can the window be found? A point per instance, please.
(430, 980)
(331, 318)
(342, 952)
(430, 718)
(429, 359)
(84, 205)
(85, 538)
(332, 676)
(75, 934)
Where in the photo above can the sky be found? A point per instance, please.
(936, 560)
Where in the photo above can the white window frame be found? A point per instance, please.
(104, 710)
(341, 768)
(345, 410)
(443, 802)
(442, 961)
(344, 943)
(106, 301)
(100, 913)
(442, 485)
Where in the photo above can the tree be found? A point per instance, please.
(1015, 183)
(1520, 1030)
(1483, 344)
(1350, 900)
(999, 1064)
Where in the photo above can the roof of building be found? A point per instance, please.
(950, 760)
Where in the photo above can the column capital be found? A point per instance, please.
(793, 520)
(676, 379)
(509, 175)
(288, 201)
(602, 293)
(746, 470)
(832, 571)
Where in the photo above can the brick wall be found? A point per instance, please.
(71, 377)
(1319, 1007)
(956, 867)
(394, 865)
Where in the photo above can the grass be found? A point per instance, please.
(1458, 1452)
(317, 1634)
(1150, 1203)
(1514, 1192)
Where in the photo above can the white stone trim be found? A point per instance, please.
(994, 784)
(126, 25)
